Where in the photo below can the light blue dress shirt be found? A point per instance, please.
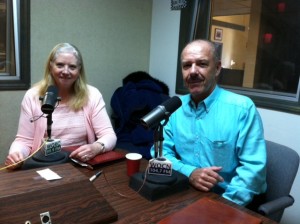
(224, 130)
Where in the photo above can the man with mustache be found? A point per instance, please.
(216, 137)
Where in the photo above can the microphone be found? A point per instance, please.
(161, 112)
(49, 100)
(48, 105)
(161, 179)
(160, 165)
(51, 151)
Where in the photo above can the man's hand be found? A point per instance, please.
(205, 178)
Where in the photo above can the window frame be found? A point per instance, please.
(189, 30)
(22, 82)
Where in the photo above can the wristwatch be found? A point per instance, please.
(102, 146)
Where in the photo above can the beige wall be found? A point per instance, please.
(113, 36)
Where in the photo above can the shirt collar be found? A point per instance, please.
(208, 101)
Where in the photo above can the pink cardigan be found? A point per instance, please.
(30, 134)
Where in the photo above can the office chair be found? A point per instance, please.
(282, 167)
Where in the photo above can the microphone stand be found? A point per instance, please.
(41, 155)
(158, 142)
(155, 186)
(49, 124)
(158, 156)
(40, 158)
(158, 139)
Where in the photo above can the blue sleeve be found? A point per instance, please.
(250, 176)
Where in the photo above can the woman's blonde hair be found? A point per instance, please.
(80, 92)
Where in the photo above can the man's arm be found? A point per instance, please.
(250, 176)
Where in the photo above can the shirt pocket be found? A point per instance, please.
(219, 152)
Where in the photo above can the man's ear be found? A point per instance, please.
(218, 68)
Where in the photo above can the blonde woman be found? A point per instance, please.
(80, 120)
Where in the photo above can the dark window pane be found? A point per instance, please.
(260, 47)
(14, 44)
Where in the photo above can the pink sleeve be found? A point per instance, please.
(30, 134)
(101, 127)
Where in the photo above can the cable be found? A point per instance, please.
(3, 168)
(35, 118)
(123, 195)
(117, 192)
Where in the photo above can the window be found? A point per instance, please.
(14, 44)
(258, 43)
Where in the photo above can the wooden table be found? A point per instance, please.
(130, 207)
(25, 197)
(133, 208)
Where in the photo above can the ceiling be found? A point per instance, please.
(231, 7)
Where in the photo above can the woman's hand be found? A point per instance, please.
(86, 152)
(14, 158)
(205, 178)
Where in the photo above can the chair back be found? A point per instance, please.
(282, 167)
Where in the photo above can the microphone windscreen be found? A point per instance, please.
(49, 100)
(54, 90)
(172, 104)
(161, 112)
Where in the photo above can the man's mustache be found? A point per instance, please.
(194, 78)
